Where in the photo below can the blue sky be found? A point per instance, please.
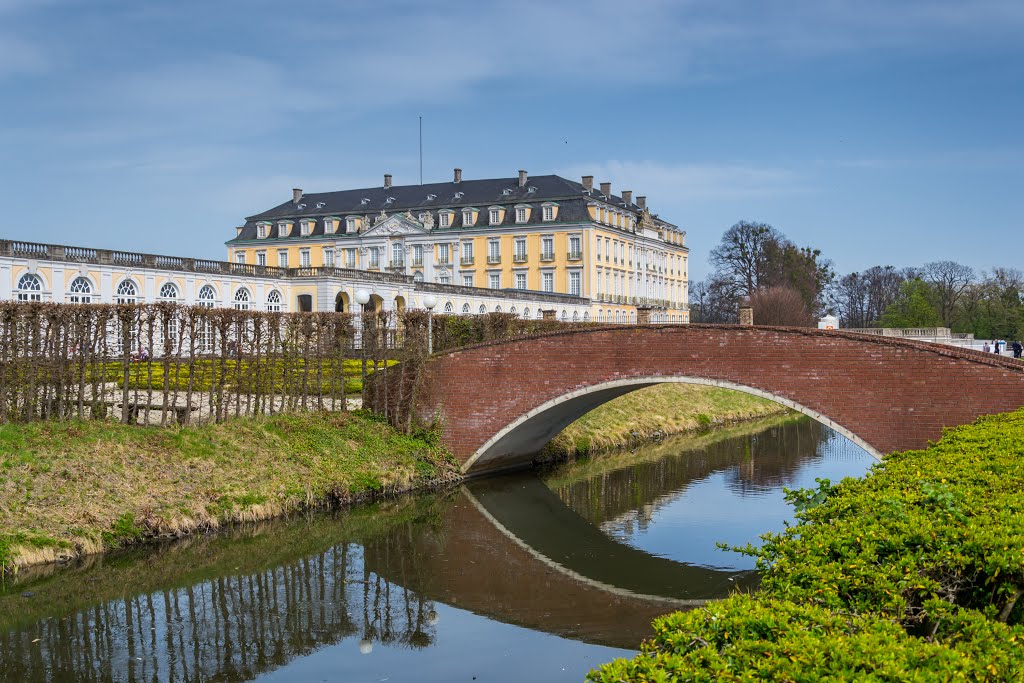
(878, 131)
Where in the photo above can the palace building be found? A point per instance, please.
(542, 235)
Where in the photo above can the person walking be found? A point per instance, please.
(986, 348)
(1018, 349)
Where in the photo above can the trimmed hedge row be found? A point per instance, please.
(915, 572)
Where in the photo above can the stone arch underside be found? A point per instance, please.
(498, 403)
(530, 432)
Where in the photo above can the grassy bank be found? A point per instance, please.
(72, 488)
(914, 573)
(654, 412)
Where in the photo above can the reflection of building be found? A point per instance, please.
(46, 272)
(544, 234)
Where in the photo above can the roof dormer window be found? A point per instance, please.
(460, 195)
(522, 214)
(506, 192)
(431, 197)
(494, 215)
(468, 217)
(350, 224)
(262, 230)
(305, 227)
(389, 200)
(284, 228)
(548, 211)
(444, 218)
(364, 201)
(321, 205)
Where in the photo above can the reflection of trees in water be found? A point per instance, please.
(230, 627)
(630, 496)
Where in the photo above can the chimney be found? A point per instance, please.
(606, 189)
(296, 195)
(588, 182)
(458, 175)
(641, 202)
(387, 180)
(627, 197)
(522, 178)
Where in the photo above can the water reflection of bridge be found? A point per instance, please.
(515, 550)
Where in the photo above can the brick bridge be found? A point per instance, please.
(500, 402)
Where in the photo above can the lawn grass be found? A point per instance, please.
(70, 488)
(653, 412)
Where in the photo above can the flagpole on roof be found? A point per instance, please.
(421, 150)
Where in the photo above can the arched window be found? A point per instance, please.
(273, 300)
(126, 292)
(632, 316)
(483, 309)
(417, 276)
(207, 296)
(565, 315)
(600, 315)
(30, 288)
(168, 292)
(618, 316)
(526, 313)
(586, 316)
(80, 291)
(540, 314)
(242, 299)
(575, 316)
(448, 308)
(497, 309)
(465, 308)
(512, 310)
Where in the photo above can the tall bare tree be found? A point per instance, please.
(741, 259)
(948, 279)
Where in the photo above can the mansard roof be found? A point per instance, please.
(478, 194)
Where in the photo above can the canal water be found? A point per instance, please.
(532, 577)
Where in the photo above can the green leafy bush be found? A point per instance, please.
(915, 572)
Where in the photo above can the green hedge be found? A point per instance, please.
(915, 572)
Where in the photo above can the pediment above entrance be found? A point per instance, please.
(395, 225)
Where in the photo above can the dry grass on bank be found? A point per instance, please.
(658, 411)
(71, 488)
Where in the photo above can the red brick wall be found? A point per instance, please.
(893, 394)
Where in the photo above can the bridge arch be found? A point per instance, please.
(497, 401)
(529, 432)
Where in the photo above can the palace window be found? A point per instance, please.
(520, 247)
(261, 258)
(350, 224)
(283, 228)
(521, 214)
(397, 254)
(240, 257)
(168, 292)
(548, 281)
(482, 310)
(282, 259)
(574, 282)
(417, 276)
(495, 216)
(444, 219)
(305, 228)
(465, 308)
(417, 254)
(512, 310)
(575, 248)
(526, 313)
(242, 299)
(127, 292)
(443, 253)
(328, 226)
(547, 248)
(274, 301)
(520, 280)
(304, 258)
(493, 251)
(467, 279)
(262, 229)
(468, 218)
(374, 257)
(328, 257)
(206, 297)
(448, 308)
(467, 251)
(30, 288)
(575, 316)
(494, 280)
(548, 213)
(444, 280)
(350, 258)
